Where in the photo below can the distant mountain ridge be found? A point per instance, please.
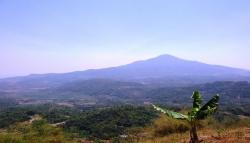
(164, 67)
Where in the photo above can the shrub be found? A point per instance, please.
(165, 125)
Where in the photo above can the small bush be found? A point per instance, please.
(165, 126)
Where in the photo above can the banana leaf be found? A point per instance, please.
(171, 114)
(209, 108)
(197, 100)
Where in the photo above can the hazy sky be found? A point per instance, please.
(41, 36)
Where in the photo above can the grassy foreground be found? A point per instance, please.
(166, 130)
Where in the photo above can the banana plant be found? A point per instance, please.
(197, 113)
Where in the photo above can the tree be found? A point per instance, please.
(197, 113)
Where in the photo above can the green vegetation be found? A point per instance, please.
(110, 122)
(102, 123)
(52, 113)
(37, 132)
(198, 113)
(13, 115)
(118, 123)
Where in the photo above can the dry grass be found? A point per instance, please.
(165, 126)
(239, 135)
(210, 132)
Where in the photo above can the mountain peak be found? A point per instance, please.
(162, 60)
(165, 56)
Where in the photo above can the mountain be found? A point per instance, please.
(164, 68)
